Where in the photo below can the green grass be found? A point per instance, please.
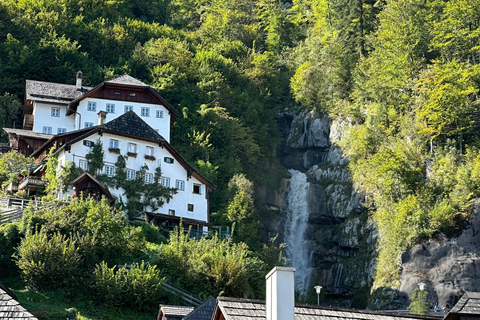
(54, 305)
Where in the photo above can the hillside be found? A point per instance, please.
(375, 101)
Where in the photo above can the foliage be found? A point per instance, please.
(48, 262)
(241, 211)
(419, 303)
(11, 164)
(211, 266)
(136, 287)
(10, 237)
(141, 195)
(95, 158)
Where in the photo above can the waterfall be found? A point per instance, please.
(297, 250)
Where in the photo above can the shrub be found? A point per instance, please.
(136, 287)
(150, 232)
(10, 237)
(48, 263)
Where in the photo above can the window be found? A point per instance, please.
(61, 130)
(88, 124)
(132, 147)
(148, 177)
(149, 151)
(92, 106)
(145, 112)
(180, 185)
(166, 182)
(47, 130)
(196, 188)
(117, 93)
(83, 164)
(128, 108)
(132, 94)
(168, 160)
(110, 171)
(159, 113)
(113, 144)
(110, 108)
(190, 207)
(55, 112)
(171, 212)
(88, 143)
(130, 174)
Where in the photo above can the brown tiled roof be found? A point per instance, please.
(173, 312)
(236, 309)
(52, 92)
(28, 133)
(11, 309)
(128, 80)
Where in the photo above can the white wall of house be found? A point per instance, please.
(156, 117)
(173, 171)
(49, 118)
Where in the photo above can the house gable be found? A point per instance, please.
(125, 88)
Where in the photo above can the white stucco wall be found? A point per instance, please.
(160, 124)
(42, 113)
(174, 171)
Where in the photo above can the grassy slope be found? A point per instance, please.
(54, 305)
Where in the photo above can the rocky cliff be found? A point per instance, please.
(342, 237)
(339, 232)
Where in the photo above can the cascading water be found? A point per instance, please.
(295, 226)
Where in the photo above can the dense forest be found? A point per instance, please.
(404, 74)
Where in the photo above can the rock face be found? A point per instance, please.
(448, 267)
(342, 238)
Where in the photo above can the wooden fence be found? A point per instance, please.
(15, 206)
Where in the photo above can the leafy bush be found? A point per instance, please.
(150, 232)
(212, 266)
(136, 287)
(10, 237)
(48, 263)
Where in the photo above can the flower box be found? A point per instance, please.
(149, 157)
(114, 150)
(132, 154)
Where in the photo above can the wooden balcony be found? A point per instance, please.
(28, 122)
(31, 182)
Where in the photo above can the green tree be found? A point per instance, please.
(241, 211)
(419, 303)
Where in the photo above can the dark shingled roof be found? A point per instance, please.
(28, 133)
(203, 311)
(11, 309)
(243, 309)
(173, 312)
(132, 125)
(467, 306)
(53, 92)
(128, 80)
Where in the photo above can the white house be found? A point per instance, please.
(128, 135)
(54, 108)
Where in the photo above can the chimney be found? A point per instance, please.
(102, 115)
(281, 294)
(79, 80)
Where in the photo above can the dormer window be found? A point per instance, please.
(132, 94)
(117, 93)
